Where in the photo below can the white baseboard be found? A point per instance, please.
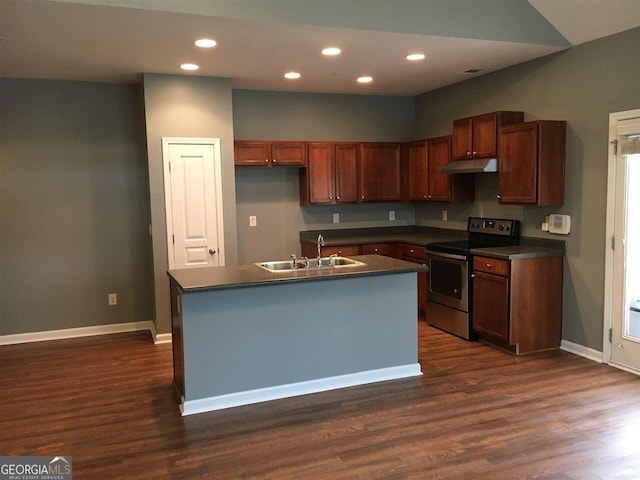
(219, 402)
(75, 332)
(159, 337)
(581, 350)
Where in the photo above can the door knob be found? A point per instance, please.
(211, 251)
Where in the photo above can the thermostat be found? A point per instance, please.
(560, 224)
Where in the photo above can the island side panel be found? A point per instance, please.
(244, 339)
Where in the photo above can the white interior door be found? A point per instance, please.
(193, 196)
(625, 282)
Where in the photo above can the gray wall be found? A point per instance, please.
(73, 206)
(185, 106)
(582, 86)
(272, 194)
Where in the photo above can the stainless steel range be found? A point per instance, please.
(449, 289)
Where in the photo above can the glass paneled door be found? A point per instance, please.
(625, 332)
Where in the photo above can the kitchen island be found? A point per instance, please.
(242, 334)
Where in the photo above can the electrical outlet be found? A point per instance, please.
(445, 215)
(336, 218)
(253, 221)
(392, 215)
(113, 299)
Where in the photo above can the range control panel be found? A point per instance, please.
(494, 226)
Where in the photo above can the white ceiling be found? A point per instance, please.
(259, 40)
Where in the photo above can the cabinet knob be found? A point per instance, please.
(475, 153)
(338, 197)
(498, 196)
(375, 249)
(424, 196)
(274, 160)
(212, 251)
(362, 197)
(330, 197)
(412, 251)
(266, 160)
(428, 196)
(473, 275)
(489, 265)
(468, 154)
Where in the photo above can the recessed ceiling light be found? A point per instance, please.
(189, 66)
(365, 79)
(205, 43)
(292, 75)
(330, 51)
(414, 57)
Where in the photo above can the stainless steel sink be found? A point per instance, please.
(325, 262)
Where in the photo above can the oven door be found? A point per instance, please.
(449, 280)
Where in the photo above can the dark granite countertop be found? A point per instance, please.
(530, 247)
(361, 236)
(240, 276)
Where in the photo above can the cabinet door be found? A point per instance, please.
(517, 164)
(288, 153)
(485, 136)
(439, 153)
(385, 249)
(491, 305)
(346, 172)
(379, 172)
(252, 153)
(422, 285)
(342, 250)
(321, 173)
(462, 139)
(418, 171)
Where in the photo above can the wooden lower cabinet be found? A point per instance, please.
(417, 254)
(386, 249)
(311, 251)
(517, 304)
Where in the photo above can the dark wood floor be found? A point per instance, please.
(476, 413)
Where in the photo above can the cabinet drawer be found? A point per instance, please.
(491, 265)
(376, 248)
(342, 250)
(413, 251)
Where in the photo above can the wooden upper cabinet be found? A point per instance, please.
(426, 182)
(379, 172)
(331, 174)
(321, 173)
(531, 163)
(418, 171)
(346, 171)
(441, 184)
(477, 137)
(270, 154)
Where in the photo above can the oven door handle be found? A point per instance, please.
(452, 256)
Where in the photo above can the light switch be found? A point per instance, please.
(253, 221)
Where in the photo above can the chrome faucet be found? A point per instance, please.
(320, 245)
(294, 261)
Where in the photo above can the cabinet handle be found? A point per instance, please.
(412, 251)
(489, 265)
(498, 196)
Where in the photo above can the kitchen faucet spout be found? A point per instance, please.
(320, 244)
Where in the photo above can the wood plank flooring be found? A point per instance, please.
(476, 413)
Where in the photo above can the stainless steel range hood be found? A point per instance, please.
(483, 165)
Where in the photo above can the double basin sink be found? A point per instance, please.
(325, 262)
